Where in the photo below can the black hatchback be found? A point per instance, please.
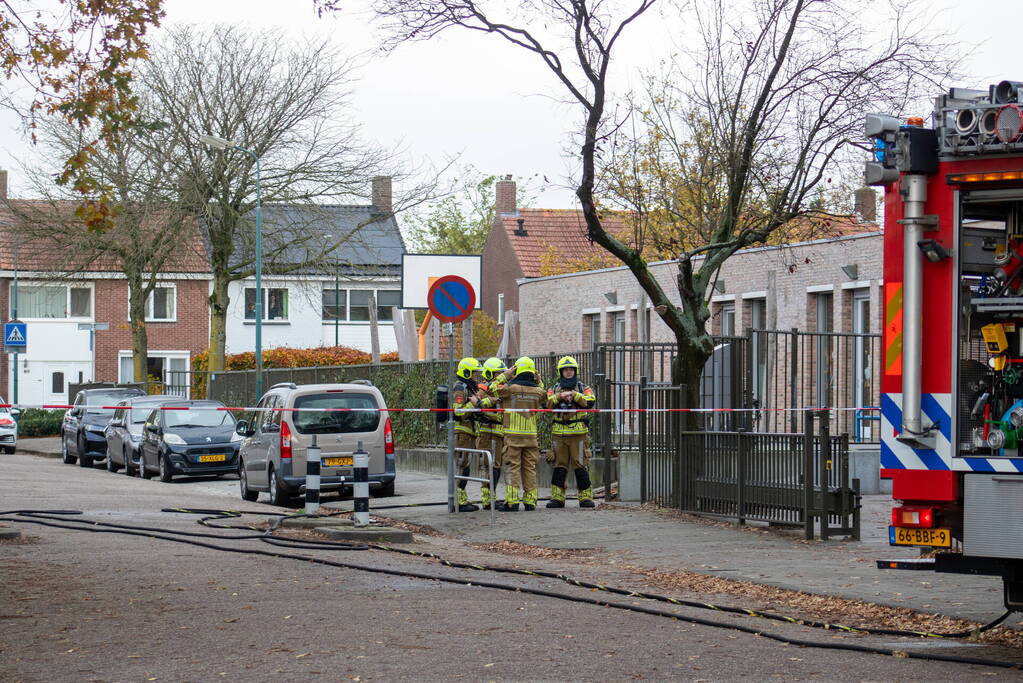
(189, 437)
(83, 438)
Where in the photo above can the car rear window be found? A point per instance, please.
(313, 421)
(102, 399)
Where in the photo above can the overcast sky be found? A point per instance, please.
(496, 106)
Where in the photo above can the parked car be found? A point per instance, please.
(8, 428)
(193, 442)
(273, 453)
(124, 431)
(82, 438)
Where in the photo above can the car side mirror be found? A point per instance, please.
(153, 429)
(242, 428)
(75, 412)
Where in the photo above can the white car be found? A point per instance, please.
(8, 428)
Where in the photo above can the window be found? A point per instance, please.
(500, 308)
(334, 414)
(359, 309)
(161, 304)
(57, 383)
(728, 320)
(863, 372)
(823, 317)
(386, 300)
(54, 301)
(335, 304)
(592, 323)
(275, 304)
(758, 322)
(619, 327)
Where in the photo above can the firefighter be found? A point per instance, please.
(524, 393)
(570, 434)
(464, 399)
(489, 428)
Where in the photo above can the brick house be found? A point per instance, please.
(525, 243)
(54, 305)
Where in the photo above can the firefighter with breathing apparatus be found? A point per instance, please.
(464, 401)
(489, 426)
(521, 396)
(570, 434)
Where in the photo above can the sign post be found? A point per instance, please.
(15, 342)
(451, 299)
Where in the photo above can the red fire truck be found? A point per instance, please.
(952, 383)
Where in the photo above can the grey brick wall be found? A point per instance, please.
(554, 309)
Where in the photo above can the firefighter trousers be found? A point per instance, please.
(462, 460)
(494, 443)
(519, 464)
(571, 451)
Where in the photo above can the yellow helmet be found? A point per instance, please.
(467, 366)
(568, 362)
(525, 364)
(493, 367)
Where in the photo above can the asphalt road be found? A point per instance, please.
(82, 606)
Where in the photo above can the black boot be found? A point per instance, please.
(463, 502)
(504, 507)
(582, 483)
(558, 477)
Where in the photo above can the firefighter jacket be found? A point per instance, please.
(523, 393)
(465, 415)
(570, 424)
(490, 423)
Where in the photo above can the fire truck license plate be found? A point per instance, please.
(338, 462)
(940, 538)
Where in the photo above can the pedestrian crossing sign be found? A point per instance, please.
(15, 337)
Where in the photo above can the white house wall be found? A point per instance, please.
(53, 346)
(305, 326)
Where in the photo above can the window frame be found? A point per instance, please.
(67, 287)
(150, 303)
(266, 305)
(346, 294)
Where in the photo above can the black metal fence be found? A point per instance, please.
(780, 478)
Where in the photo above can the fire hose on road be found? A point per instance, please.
(71, 520)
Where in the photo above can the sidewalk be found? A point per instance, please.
(667, 541)
(46, 445)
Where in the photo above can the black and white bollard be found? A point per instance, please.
(361, 488)
(312, 479)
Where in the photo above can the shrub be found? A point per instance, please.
(39, 422)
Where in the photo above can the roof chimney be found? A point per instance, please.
(505, 196)
(382, 198)
(3, 184)
(865, 201)
(521, 231)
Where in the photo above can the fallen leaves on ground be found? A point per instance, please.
(522, 549)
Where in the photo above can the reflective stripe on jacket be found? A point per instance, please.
(571, 423)
(464, 422)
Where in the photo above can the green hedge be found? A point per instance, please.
(39, 422)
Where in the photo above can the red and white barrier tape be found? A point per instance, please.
(62, 406)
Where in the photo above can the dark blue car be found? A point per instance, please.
(191, 438)
(83, 438)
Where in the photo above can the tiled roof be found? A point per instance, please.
(558, 234)
(49, 255)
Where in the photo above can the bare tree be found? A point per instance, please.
(778, 86)
(148, 230)
(289, 104)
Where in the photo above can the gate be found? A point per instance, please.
(786, 479)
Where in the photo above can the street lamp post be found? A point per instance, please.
(221, 143)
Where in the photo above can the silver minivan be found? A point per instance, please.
(272, 456)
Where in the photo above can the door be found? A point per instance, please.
(149, 450)
(256, 446)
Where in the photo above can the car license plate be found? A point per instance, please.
(219, 457)
(346, 461)
(939, 538)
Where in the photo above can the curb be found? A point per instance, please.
(384, 534)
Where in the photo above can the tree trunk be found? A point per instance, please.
(218, 323)
(687, 371)
(137, 322)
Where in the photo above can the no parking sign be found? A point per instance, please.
(451, 299)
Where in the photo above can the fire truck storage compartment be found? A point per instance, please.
(994, 506)
(991, 221)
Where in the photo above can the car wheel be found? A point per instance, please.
(278, 496)
(111, 465)
(143, 472)
(384, 490)
(127, 462)
(9, 450)
(83, 460)
(165, 470)
(243, 485)
(65, 454)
